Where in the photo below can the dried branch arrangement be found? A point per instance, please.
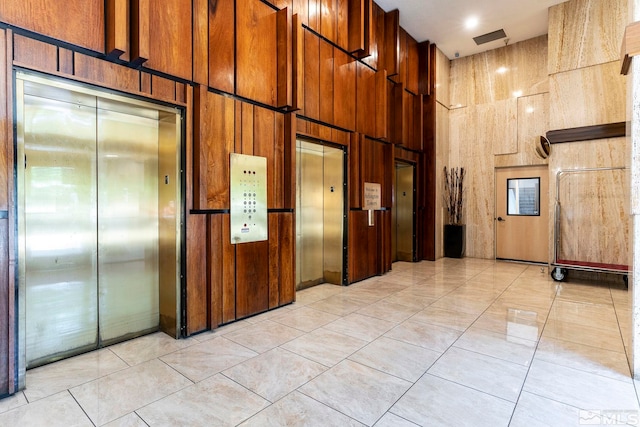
(453, 191)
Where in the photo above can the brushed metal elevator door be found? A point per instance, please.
(60, 199)
(319, 214)
(403, 213)
(90, 214)
(127, 220)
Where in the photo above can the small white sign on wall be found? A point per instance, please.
(372, 197)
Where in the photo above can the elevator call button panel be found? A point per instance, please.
(249, 220)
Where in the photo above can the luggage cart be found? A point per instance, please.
(586, 200)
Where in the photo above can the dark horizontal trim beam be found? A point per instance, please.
(227, 211)
(587, 133)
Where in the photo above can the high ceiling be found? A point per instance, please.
(443, 21)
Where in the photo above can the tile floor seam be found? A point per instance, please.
(324, 404)
(471, 387)
(555, 295)
(80, 406)
(615, 309)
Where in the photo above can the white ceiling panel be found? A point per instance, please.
(443, 21)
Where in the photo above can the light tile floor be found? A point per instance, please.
(454, 342)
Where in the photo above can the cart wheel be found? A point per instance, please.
(559, 274)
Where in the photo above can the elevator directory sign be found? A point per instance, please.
(249, 220)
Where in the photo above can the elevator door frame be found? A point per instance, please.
(345, 199)
(177, 291)
(414, 243)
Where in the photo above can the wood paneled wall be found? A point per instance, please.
(252, 75)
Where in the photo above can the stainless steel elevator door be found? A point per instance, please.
(127, 220)
(60, 198)
(319, 214)
(404, 213)
(91, 194)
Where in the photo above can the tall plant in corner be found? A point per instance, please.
(454, 229)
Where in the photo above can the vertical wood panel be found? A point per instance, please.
(181, 92)
(170, 37)
(342, 24)
(214, 127)
(274, 259)
(326, 82)
(264, 145)
(328, 17)
(163, 88)
(256, 51)
(215, 268)
(355, 188)
(280, 155)
(284, 22)
(397, 112)
(287, 249)
(391, 50)
(117, 28)
(425, 68)
(289, 172)
(228, 273)
(340, 137)
(365, 103)
(145, 83)
(301, 8)
(65, 61)
(197, 310)
(140, 23)
(247, 132)
(201, 41)
(356, 26)
(374, 20)
(222, 45)
(344, 103)
(35, 54)
(401, 77)
(314, 15)
(412, 65)
(297, 70)
(252, 278)
(79, 22)
(382, 105)
(311, 75)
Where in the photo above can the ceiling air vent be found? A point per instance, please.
(489, 37)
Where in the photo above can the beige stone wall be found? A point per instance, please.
(499, 106)
(501, 101)
(586, 88)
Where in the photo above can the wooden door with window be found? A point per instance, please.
(522, 214)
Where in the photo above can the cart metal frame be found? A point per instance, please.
(559, 267)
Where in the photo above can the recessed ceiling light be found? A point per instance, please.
(502, 70)
(517, 94)
(471, 22)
